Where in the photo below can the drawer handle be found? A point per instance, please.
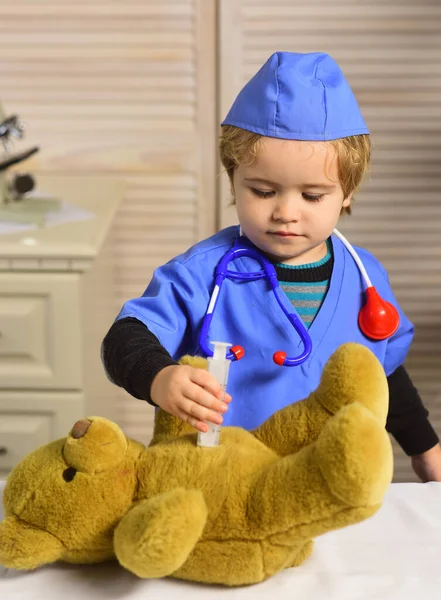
(3, 450)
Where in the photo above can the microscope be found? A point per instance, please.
(19, 202)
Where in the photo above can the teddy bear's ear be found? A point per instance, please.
(24, 547)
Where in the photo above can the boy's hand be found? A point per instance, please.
(194, 395)
(428, 465)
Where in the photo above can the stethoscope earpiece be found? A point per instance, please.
(238, 352)
(378, 319)
(279, 358)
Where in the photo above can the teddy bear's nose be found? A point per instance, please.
(80, 428)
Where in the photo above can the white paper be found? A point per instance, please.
(67, 213)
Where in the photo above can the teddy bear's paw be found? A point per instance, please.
(354, 455)
(156, 537)
(198, 362)
(25, 547)
(354, 374)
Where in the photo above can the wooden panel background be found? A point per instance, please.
(126, 90)
(391, 55)
(130, 90)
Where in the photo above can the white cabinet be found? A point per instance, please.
(40, 341)
(56, 304)
(20, 434)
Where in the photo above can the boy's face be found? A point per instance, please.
(289, 200)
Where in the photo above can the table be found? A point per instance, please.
(395, 555)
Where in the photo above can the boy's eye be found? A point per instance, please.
(262, 193)
(312, 197)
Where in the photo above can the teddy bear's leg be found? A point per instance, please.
(236, 562)
(227, 561)
(352, 374)
(338, 480)
(156, 537)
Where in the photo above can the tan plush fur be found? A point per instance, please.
(235, 514)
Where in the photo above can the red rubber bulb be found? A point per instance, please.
(378, 319)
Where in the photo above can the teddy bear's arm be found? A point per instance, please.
(352, 373)
(156, 537)
(25, 547)
(167, 427)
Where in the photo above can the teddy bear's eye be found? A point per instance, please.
(69, 474)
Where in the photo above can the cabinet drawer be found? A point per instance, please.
(39, 331)
(20, 435)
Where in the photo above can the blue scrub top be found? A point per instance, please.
(247, 314)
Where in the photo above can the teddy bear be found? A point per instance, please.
(235, 514)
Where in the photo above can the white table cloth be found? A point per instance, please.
(395, 555)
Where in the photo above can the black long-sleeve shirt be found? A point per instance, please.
(133, 356)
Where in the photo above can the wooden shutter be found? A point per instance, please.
(391, 55)
(126, 90)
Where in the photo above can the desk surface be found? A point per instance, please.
(396, 555)
(81, 239)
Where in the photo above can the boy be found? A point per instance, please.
(295, 148)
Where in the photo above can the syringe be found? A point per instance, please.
(219, 366)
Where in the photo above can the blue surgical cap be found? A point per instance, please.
(298, 97)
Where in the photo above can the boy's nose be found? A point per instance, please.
(286, 211)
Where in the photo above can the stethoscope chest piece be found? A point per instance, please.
(378, 319)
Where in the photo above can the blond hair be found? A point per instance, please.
(239, 146)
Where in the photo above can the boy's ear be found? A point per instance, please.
(347, 201)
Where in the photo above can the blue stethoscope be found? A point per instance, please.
(378, 319)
